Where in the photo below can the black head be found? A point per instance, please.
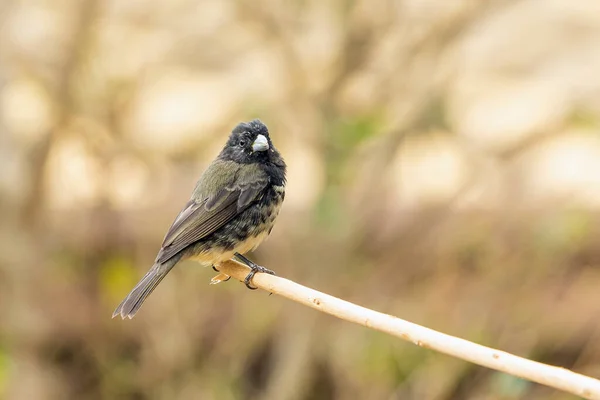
(248, 143)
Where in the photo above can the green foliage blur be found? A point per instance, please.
(444, 167)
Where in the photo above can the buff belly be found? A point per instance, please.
(217, 255)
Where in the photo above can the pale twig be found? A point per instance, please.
(556, 377)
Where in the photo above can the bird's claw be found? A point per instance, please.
(254, 269)
(219, 278)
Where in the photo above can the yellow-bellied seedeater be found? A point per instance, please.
(231, 211)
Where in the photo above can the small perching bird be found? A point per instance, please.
(231, 211)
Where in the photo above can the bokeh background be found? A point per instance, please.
(444, 167)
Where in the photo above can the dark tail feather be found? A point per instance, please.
(134, 300)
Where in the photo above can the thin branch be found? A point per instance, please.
(556, 377)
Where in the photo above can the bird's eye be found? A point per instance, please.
(242, 143)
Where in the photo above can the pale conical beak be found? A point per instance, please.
(260, 143)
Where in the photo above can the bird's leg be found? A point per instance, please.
(254, 267)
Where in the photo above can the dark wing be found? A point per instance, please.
(202, 217)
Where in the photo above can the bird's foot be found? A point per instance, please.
(254, 269)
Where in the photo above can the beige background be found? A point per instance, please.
(444, 166)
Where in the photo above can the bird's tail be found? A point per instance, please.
(134, 300)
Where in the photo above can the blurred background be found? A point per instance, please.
(444, 167)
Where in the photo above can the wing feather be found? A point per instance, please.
(201, 217)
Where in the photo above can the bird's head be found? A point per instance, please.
(249, 143)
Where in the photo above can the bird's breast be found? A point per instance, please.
(244, 233)
(264, 215)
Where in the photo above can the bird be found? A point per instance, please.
(232, 209)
